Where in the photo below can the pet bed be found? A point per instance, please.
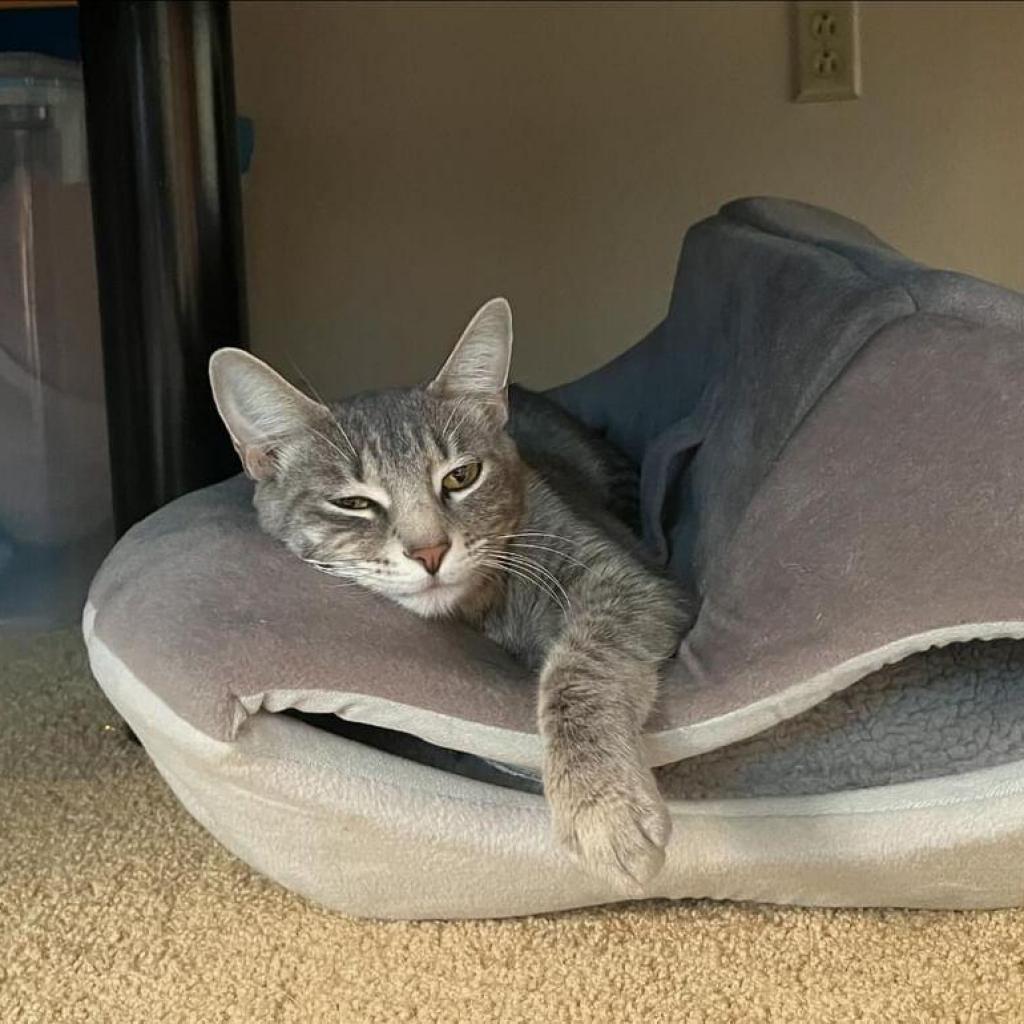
(832, 448)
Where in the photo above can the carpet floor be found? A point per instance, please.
(116, 907)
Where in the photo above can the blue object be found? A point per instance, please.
(52, 31)
(246, 143)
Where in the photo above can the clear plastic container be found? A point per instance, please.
(55, 499)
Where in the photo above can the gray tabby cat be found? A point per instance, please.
(423, 496)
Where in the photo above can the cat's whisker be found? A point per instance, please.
(534, 583)
(309, 384)
(324, 437)
(536, 564)
(554, 551)
(320, 399)
(504, 567)
(344, 434)
(457, 405)
(318, 562)
(465, 416)
(526, 572)
(523, 560)
(341, 570)
(551, 579)
(537, 533)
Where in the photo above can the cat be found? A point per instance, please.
(433, 497)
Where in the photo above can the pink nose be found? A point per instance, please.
(430, 558)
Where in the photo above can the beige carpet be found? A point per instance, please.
(115, 906)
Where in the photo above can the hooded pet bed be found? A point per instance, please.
(832, 449)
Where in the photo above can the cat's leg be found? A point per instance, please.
(593, 701)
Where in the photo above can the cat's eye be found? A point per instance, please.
(353, 504)
(461, 477)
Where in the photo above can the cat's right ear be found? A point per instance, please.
(259, 408)
(478, 365)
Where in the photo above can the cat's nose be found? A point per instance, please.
(430, 557)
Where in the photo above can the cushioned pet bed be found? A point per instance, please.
(831, 441)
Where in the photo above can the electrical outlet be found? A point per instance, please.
(827, 59)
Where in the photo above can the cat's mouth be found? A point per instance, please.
(432, 598)
(431, 585)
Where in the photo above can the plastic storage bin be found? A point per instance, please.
(55, 499)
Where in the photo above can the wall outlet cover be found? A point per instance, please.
(827, 51)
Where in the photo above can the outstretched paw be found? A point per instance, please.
(618, 832)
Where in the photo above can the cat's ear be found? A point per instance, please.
(478, 365)
(259, 408)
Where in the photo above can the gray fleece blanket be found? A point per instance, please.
(830, 441)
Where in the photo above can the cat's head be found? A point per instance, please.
(409, 492)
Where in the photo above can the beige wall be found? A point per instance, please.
(413, 160)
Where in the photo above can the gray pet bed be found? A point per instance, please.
(832, 443)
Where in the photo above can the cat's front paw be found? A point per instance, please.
(617, 828)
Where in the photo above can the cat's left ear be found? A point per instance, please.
(478, 365)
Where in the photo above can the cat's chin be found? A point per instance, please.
(434, 602)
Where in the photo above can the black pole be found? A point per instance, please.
(163, 157)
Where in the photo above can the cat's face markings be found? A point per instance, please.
(405, 492)
(414, 446)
